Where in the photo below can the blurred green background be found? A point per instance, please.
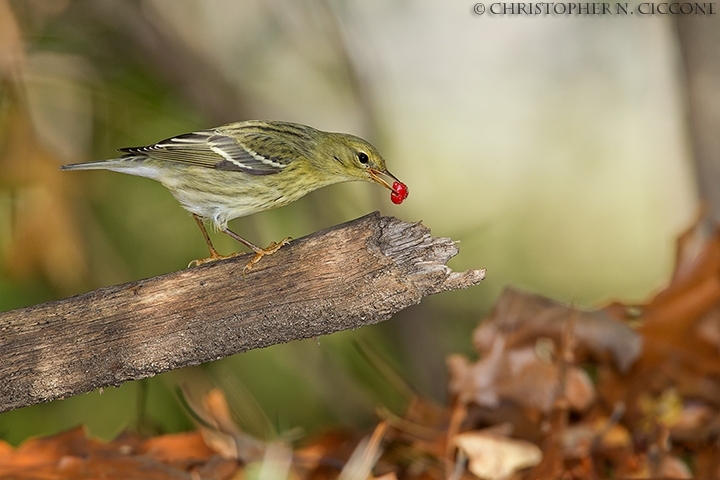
(553, 148)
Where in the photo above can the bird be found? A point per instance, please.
(247, 167)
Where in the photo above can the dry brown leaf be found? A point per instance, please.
(334, 446)
(366, 454)
(220, 432)
(671, 319)
(522, 318)
(218, 410)
(519, 376)
(708, 329)
(179, 448)
(5, 449)
(695, 420)
(387, 476)
(536, 386)
(72, 455)
(495, 457)
(476, 382)
(640, 467)
(681, 351)
(578, 439)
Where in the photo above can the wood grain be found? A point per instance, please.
(345, 277)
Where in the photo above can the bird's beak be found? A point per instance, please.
(375, 176)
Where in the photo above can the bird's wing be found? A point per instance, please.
(255, 153)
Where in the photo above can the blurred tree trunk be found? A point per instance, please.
(699, 38)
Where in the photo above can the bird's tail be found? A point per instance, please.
(130, 164)
(112, 164)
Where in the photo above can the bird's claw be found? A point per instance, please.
(259, 253)
(269, 250)
(210, 259)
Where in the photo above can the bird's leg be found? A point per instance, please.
(214, 255)
(259, 252)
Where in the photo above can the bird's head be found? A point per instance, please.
(352, 158)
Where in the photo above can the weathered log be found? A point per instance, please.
(348, 276)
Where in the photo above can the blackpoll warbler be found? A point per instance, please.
(247, 167)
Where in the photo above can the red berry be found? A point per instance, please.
(400, 192)
(401, 189)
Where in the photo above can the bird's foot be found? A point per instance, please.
(259, 253)
(269, 250)
(212, 258)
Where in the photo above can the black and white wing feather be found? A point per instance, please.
(253, 153)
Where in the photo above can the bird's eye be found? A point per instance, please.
(363, 158)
